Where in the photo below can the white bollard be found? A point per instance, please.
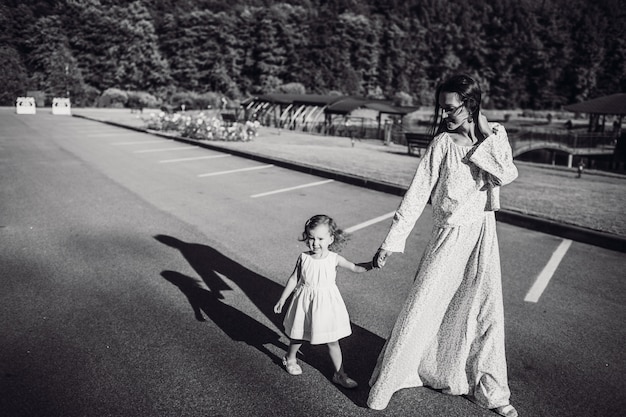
(25, 105)
(61, 106)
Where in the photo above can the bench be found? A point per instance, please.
(229, 118)
(417, 141)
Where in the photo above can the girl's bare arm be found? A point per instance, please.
(289, 287)
(358, 268)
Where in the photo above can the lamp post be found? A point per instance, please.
(67, 90)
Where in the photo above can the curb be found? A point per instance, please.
(567, 231)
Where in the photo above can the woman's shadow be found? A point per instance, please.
(360, 350)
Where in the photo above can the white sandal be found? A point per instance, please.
(506, 410)
(292, 367)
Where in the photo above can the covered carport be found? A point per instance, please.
(599, 108)
(288, 110)
(327, 114)
(362, 114)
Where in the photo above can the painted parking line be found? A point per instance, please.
(232, 171)
(182, 148)
(193, 158)
(138, 142)
(297, 187)
(548, 271)
(369, 222)
(102, 133)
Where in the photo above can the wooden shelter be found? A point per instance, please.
(613, 105)
(320, 113)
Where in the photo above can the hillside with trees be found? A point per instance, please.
(538, 54)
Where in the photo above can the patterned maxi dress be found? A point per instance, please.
(317, 312)
(449, 334)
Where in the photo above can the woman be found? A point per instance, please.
(449, 334)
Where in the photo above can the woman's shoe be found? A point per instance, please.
(506, 410)
(344, 380)
(292, 367)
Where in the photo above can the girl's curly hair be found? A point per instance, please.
(340, 236)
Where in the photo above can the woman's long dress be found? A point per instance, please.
(449, 334)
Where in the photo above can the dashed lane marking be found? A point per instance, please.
(232, 171)
(297, 187)
(369, 222)
(139, 142)
(193, 158)
(182, 148)
(548, 271)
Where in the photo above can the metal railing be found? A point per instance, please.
(569, 140)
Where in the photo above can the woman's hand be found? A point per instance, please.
(279, 306)
(380, 258)
(483, 125)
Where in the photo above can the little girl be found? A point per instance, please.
(317, 313)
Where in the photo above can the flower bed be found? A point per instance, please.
(202, 126)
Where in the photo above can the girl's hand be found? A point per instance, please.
(380, 258)
(279, 306)
(364, 267)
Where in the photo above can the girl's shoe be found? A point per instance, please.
(344, 380)
(506, 410)
(292, 367)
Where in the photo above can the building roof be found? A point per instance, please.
(334, 104)
(305, 99)
(347, 104)
(613, 104)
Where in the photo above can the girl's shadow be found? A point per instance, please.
(360, 350)
(237, 325)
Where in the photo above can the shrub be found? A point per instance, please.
(195, 101)
(402, 98)
(291, 88)
(87, 97)
(113, 97)
(141, 99)
(202, 126)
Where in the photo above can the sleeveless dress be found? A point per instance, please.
(317, 312)
(449, 334)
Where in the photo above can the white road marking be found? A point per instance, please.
(282, 190)
(139, 142)
(548, 271)
(182, 148)
(369, 222)
(210, 174)
(193, 158)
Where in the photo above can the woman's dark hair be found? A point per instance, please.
(340, 236)
(469, 94)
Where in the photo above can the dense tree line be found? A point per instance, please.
(526, 53)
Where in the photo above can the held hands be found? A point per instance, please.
(363, 267)
(380, 258)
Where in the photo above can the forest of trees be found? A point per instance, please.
(538, 54)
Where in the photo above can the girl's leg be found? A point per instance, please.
(294, 346)
(335, 355)
(289, 361)
(340, 376)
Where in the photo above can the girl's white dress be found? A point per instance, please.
(317, 312)
(449, 334)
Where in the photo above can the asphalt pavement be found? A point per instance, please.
(139, 276)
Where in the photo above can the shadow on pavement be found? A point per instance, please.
(360, 350)
(237, 325)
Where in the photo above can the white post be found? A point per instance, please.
(25, 105)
